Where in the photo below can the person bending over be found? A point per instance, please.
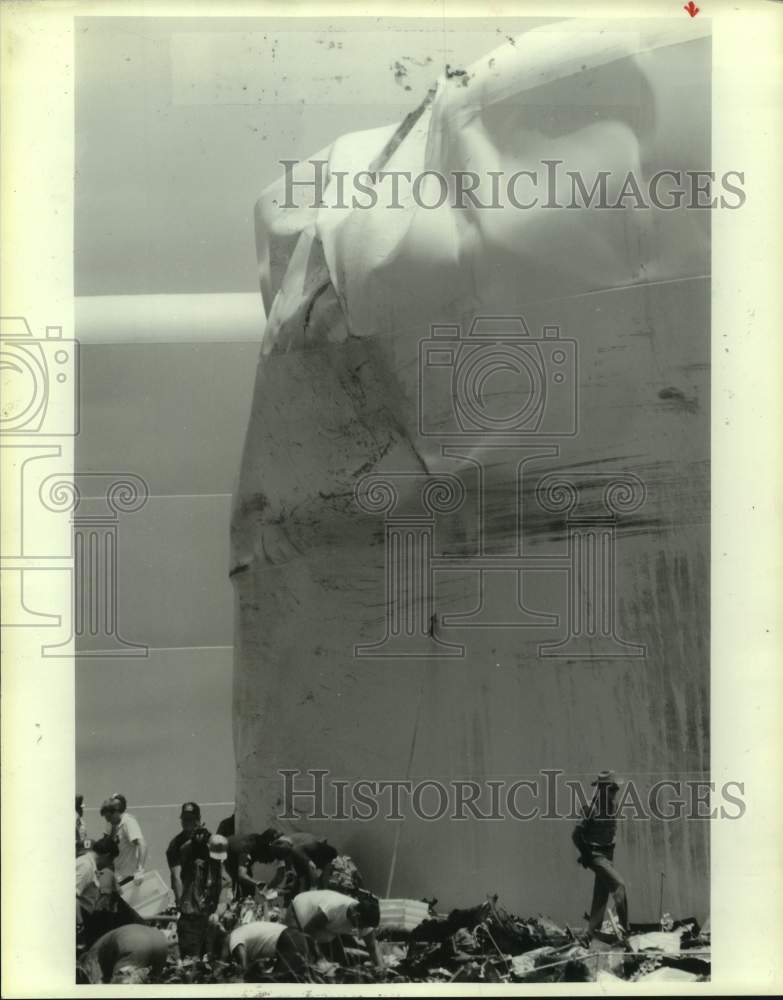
(132, 948)
(267, 848)
(325, 915)
(253, 946)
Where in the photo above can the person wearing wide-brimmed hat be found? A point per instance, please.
(594, 836)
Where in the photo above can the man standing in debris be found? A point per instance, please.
(190, 821)
(126, 831)
(205, 885)
(594, 838)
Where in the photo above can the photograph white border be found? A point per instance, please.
(747, 473)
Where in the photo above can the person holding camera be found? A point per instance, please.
(190, 821)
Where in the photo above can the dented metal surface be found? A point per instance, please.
(351, 295)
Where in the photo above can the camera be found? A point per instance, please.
(497, 380)
(200, 836)
(40, 380)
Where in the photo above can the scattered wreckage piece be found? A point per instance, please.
(487, 944)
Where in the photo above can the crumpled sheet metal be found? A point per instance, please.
(524, 103)
(472, 953)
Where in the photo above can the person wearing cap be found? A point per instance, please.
(125, 829)
(206, 893)
(218, 852)
(594, 837)
(325, 915)
(190, 821)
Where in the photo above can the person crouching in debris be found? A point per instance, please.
(594, 838)
(301, 855)
(117, 955)
(291, 850)
(325, 915)
(253, 946)
(342, 875)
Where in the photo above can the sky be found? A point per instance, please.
(181, 123)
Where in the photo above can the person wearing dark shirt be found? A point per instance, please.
(99, 905)
(594, 837)
(319, 855)
(302, 856)
(205, 884)
(227, 827)
(190, 821)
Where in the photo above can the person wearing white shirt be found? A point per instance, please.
(324, 915)
(253, 945)
(130, 840)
